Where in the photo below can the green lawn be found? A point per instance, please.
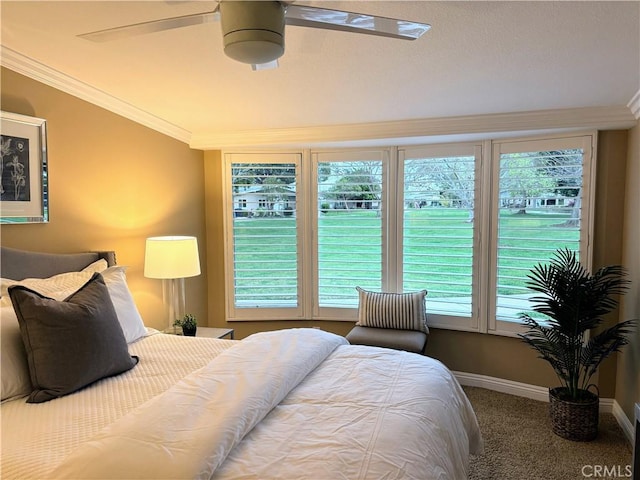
(437, 251)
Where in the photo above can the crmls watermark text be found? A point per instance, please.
(606, 471)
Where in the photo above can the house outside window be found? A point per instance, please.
(263, 248)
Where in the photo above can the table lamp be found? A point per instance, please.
(172, 259)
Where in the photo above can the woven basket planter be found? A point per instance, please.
(577, 421)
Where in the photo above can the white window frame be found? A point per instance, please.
(450, 322)
(485, 241)
(262, 313)
(584, 141)
(349, 155)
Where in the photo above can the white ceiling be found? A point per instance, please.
(479, 58)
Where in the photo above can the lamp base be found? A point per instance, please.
(173, 297)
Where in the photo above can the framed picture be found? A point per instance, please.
(23, 191)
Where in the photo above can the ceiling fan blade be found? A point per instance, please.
(305, 16)
(152, 26)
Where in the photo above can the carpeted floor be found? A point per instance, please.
(519, 443)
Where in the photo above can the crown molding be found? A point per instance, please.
(38, 71)
(409, 130)
(634, 105)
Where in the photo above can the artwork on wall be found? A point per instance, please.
(23, 170)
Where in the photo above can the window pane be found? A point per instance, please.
(540, 199)
(265, 253)
(438, 231)
(349, 230)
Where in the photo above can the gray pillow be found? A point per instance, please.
(71, 343)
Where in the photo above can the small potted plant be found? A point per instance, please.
(188, 323)
(572, 303)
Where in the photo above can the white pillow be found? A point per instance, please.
(62, 285)
(58, 287)
(126, 310)
(14, 369)
(57, 284)
(97, 266)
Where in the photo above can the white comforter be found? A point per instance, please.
(293, 404)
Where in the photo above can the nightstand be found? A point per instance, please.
(205, 332)
(210, 332)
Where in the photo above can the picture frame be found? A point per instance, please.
(23, 170)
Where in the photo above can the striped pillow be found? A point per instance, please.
(400, 311)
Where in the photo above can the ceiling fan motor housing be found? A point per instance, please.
(253, 31)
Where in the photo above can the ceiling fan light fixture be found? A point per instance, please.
(252, 31)
(253, 46)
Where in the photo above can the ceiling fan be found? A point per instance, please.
(253, 31)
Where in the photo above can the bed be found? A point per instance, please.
(295, 403)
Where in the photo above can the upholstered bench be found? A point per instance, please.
(391, 320)
(407, 340)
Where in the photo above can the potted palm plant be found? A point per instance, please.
(188, 323)
(572, 303)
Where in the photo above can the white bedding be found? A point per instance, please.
(366, 413)
(341, 411)
(37, 437)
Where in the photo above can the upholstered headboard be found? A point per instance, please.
(20, 264)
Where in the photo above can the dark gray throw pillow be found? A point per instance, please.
(71, 343)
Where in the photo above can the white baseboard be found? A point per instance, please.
(519, 389)
(535, 392)
(623, 421)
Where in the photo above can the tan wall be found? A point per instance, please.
(609, 219)
(215, 239)
(628, 371)
(112, 183)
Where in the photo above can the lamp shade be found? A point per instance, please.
(171, 257)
